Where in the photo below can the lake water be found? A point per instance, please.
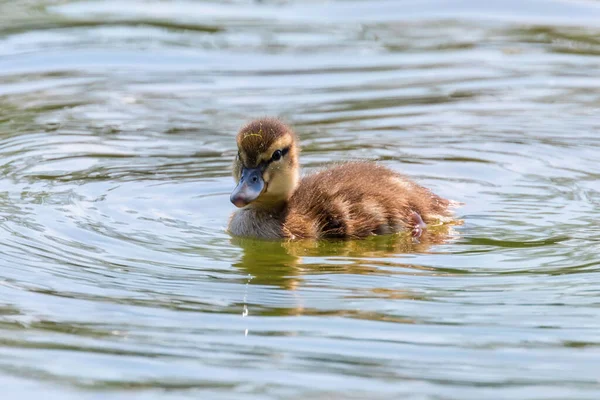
(117, 126)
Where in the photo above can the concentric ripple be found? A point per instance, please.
(117, 124)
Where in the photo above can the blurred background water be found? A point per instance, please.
(117, 124)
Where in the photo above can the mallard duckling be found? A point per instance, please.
(351, 200)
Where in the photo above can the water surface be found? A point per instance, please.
(117, 126)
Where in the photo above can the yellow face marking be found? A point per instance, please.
(279, 144)
(249, 134)
(257, 134)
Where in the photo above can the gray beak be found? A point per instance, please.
(249, 187)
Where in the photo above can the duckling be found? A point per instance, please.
(351, 200)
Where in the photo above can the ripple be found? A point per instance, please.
(117, 126)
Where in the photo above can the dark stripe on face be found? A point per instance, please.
(264, 164)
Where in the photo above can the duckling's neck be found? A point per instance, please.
(259, 222)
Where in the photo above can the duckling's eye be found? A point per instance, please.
(277, 154)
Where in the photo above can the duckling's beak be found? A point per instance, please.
(249, 187)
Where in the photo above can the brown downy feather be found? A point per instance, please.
(358, 199)
(351, 200)
(258, 136)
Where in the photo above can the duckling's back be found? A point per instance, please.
(359, 199)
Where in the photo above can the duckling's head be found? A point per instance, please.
(266, 166)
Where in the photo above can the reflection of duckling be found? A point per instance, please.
(284, 263)
(268, 262)
(351, 200)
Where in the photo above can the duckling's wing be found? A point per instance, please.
(356, 200)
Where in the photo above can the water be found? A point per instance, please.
(117, 124)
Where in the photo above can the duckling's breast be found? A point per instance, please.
(256, 223)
